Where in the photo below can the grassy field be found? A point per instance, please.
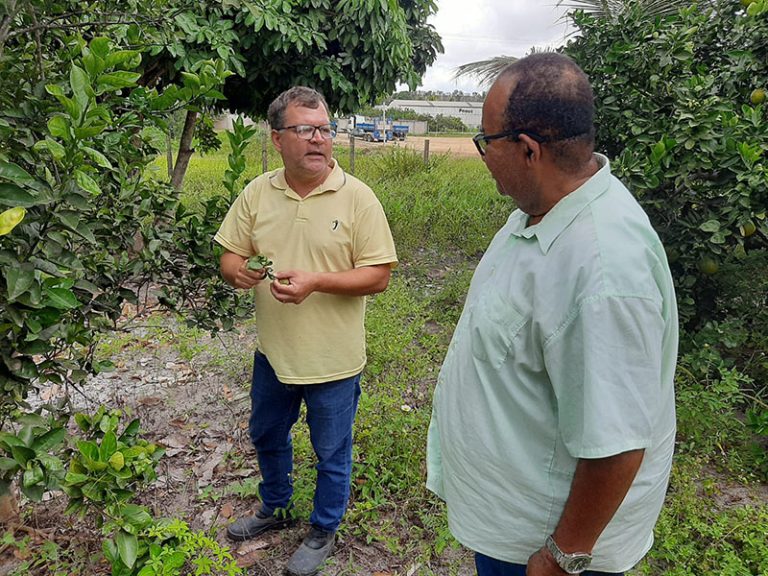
(443, 215)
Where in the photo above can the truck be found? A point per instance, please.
(399, 131)
(372, 129)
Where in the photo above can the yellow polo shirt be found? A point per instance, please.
(338, 226)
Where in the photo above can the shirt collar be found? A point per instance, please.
(335, 180)
(565, 211)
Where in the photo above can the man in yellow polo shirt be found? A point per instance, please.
(329, 240)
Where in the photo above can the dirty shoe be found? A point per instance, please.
(251, 526)
(313, 552)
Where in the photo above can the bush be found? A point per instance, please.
(675, 110)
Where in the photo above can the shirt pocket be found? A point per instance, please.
(494, 324)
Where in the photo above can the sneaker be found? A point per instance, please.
(313, 552)
(251, 526)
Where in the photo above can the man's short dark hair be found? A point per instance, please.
(299, 95)
(552, 97)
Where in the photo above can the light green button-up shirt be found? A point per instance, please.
(566, 349)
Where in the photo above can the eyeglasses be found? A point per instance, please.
(481, 140)
(307, 132)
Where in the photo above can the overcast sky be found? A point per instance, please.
(479, 29)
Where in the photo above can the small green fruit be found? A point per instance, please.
(757, 96)
(748, 228)
(709, 266)
(285, 281)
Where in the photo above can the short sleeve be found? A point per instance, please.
(605, 366)
(235, 231)
(372, 241)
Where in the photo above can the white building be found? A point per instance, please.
(471, 113)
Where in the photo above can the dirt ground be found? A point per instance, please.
(191, 394)
(455, 146)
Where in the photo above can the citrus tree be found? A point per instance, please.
(681, 110)
(85, 224)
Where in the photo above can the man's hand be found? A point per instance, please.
(234, 269)
(542, 563)
(293, 286)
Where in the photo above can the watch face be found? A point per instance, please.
(577, 565)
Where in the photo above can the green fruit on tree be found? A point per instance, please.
(746, 3)
(673, 254)
(748, 228)
(708, 266)
(757, 96)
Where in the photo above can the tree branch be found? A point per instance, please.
(5, 23)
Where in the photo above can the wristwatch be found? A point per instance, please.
(574, 563)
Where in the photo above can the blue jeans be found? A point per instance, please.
(487, 566)
(331, 409)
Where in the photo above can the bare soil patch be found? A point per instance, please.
(191, 394)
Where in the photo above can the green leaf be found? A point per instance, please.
(33, 476)
(191, 80)
(88, 449)
(15, 173)
(49, 440)
(131, 430)
(98, 157)
(12, 195)
(131, 58)
(127, 546)
(8, 464)
(22, 454)
(58, 126)
(710, 226)
(75, 478)
(83, 422)
(61, 298)
(118, 80)
(11, 218)
(87, 183)
(19, 280)
(108, 446)
(100, 46)
(136, 515)
(117, 461)
(34, 493)
(80, 84)
(56, 150)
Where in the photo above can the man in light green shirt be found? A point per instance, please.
(553, 419)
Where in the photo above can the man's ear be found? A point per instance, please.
(532, 148)
(276, 140)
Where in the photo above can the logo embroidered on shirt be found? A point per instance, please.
(334, 225)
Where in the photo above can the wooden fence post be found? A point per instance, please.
(264, 147)
(426, 151)
(351, 154)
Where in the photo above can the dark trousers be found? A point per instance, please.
(331, 408)
(487, 566)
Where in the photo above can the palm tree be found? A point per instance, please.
(486, 71)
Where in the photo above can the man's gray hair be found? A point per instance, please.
(299, 95)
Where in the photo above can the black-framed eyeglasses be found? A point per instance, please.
(307, 131)
(481, 140)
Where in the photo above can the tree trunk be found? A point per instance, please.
(169, 152)
(185, 150)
